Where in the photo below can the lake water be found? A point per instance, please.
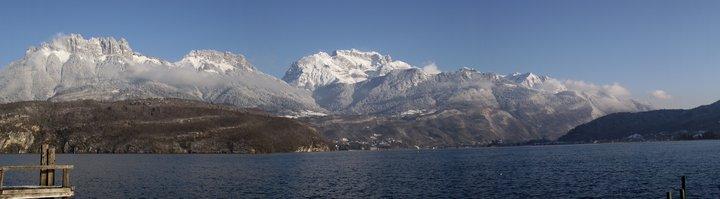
(627, 170)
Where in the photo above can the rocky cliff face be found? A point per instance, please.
(150, 126)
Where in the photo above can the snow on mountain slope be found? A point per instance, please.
(489, 106)
(404, 90)
(342, 66)
(517, 107)
(543, 83)
(70, 67)
(462, 107)
(214, 61)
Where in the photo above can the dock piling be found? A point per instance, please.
(2, 175)
(66, 178)
(43, 162)
(682, 194)
(51, 172)
(682, 182)
(683, 189)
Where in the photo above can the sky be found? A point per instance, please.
(665, 52)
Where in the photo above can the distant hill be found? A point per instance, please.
(698, 123)
(150, 126)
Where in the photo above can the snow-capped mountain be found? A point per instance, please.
(516, 107)
(342, 66)
(351, 93)
(70, 67)
(214, 61)
(534, 81)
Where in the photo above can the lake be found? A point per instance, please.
(622, 170)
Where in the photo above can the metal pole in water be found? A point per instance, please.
(682, 180)
(682, 187)
(668, 195)
(682, 194)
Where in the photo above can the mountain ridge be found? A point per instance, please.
(368, 91)
(462, 107)
(72, 68)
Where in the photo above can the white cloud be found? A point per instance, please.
(614, 89)
(173, 76)
(660, 94)
(431, 68)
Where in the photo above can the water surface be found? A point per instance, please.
(626, 170)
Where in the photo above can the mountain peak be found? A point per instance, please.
(538, 82)
(215, 61)
(358, 53)
(76, 43)
(342, 66)
(529, 80)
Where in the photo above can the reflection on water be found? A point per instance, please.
(645, 170)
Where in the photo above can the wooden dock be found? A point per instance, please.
(46, 187)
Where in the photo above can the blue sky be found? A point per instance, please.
(645, 45)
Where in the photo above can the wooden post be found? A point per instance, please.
(2, 175)
(43, 161)
(51, 172)
(66, 178)
(668, 195)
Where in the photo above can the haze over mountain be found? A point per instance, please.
(368, 96)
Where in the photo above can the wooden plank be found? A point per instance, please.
(36, 167)
(35, 190)
(31, 196)
(31, 187)
(37, 193)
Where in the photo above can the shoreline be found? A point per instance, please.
(383, 150)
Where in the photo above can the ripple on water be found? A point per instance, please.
(626, 170)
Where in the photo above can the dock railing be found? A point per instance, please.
(46, 187)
